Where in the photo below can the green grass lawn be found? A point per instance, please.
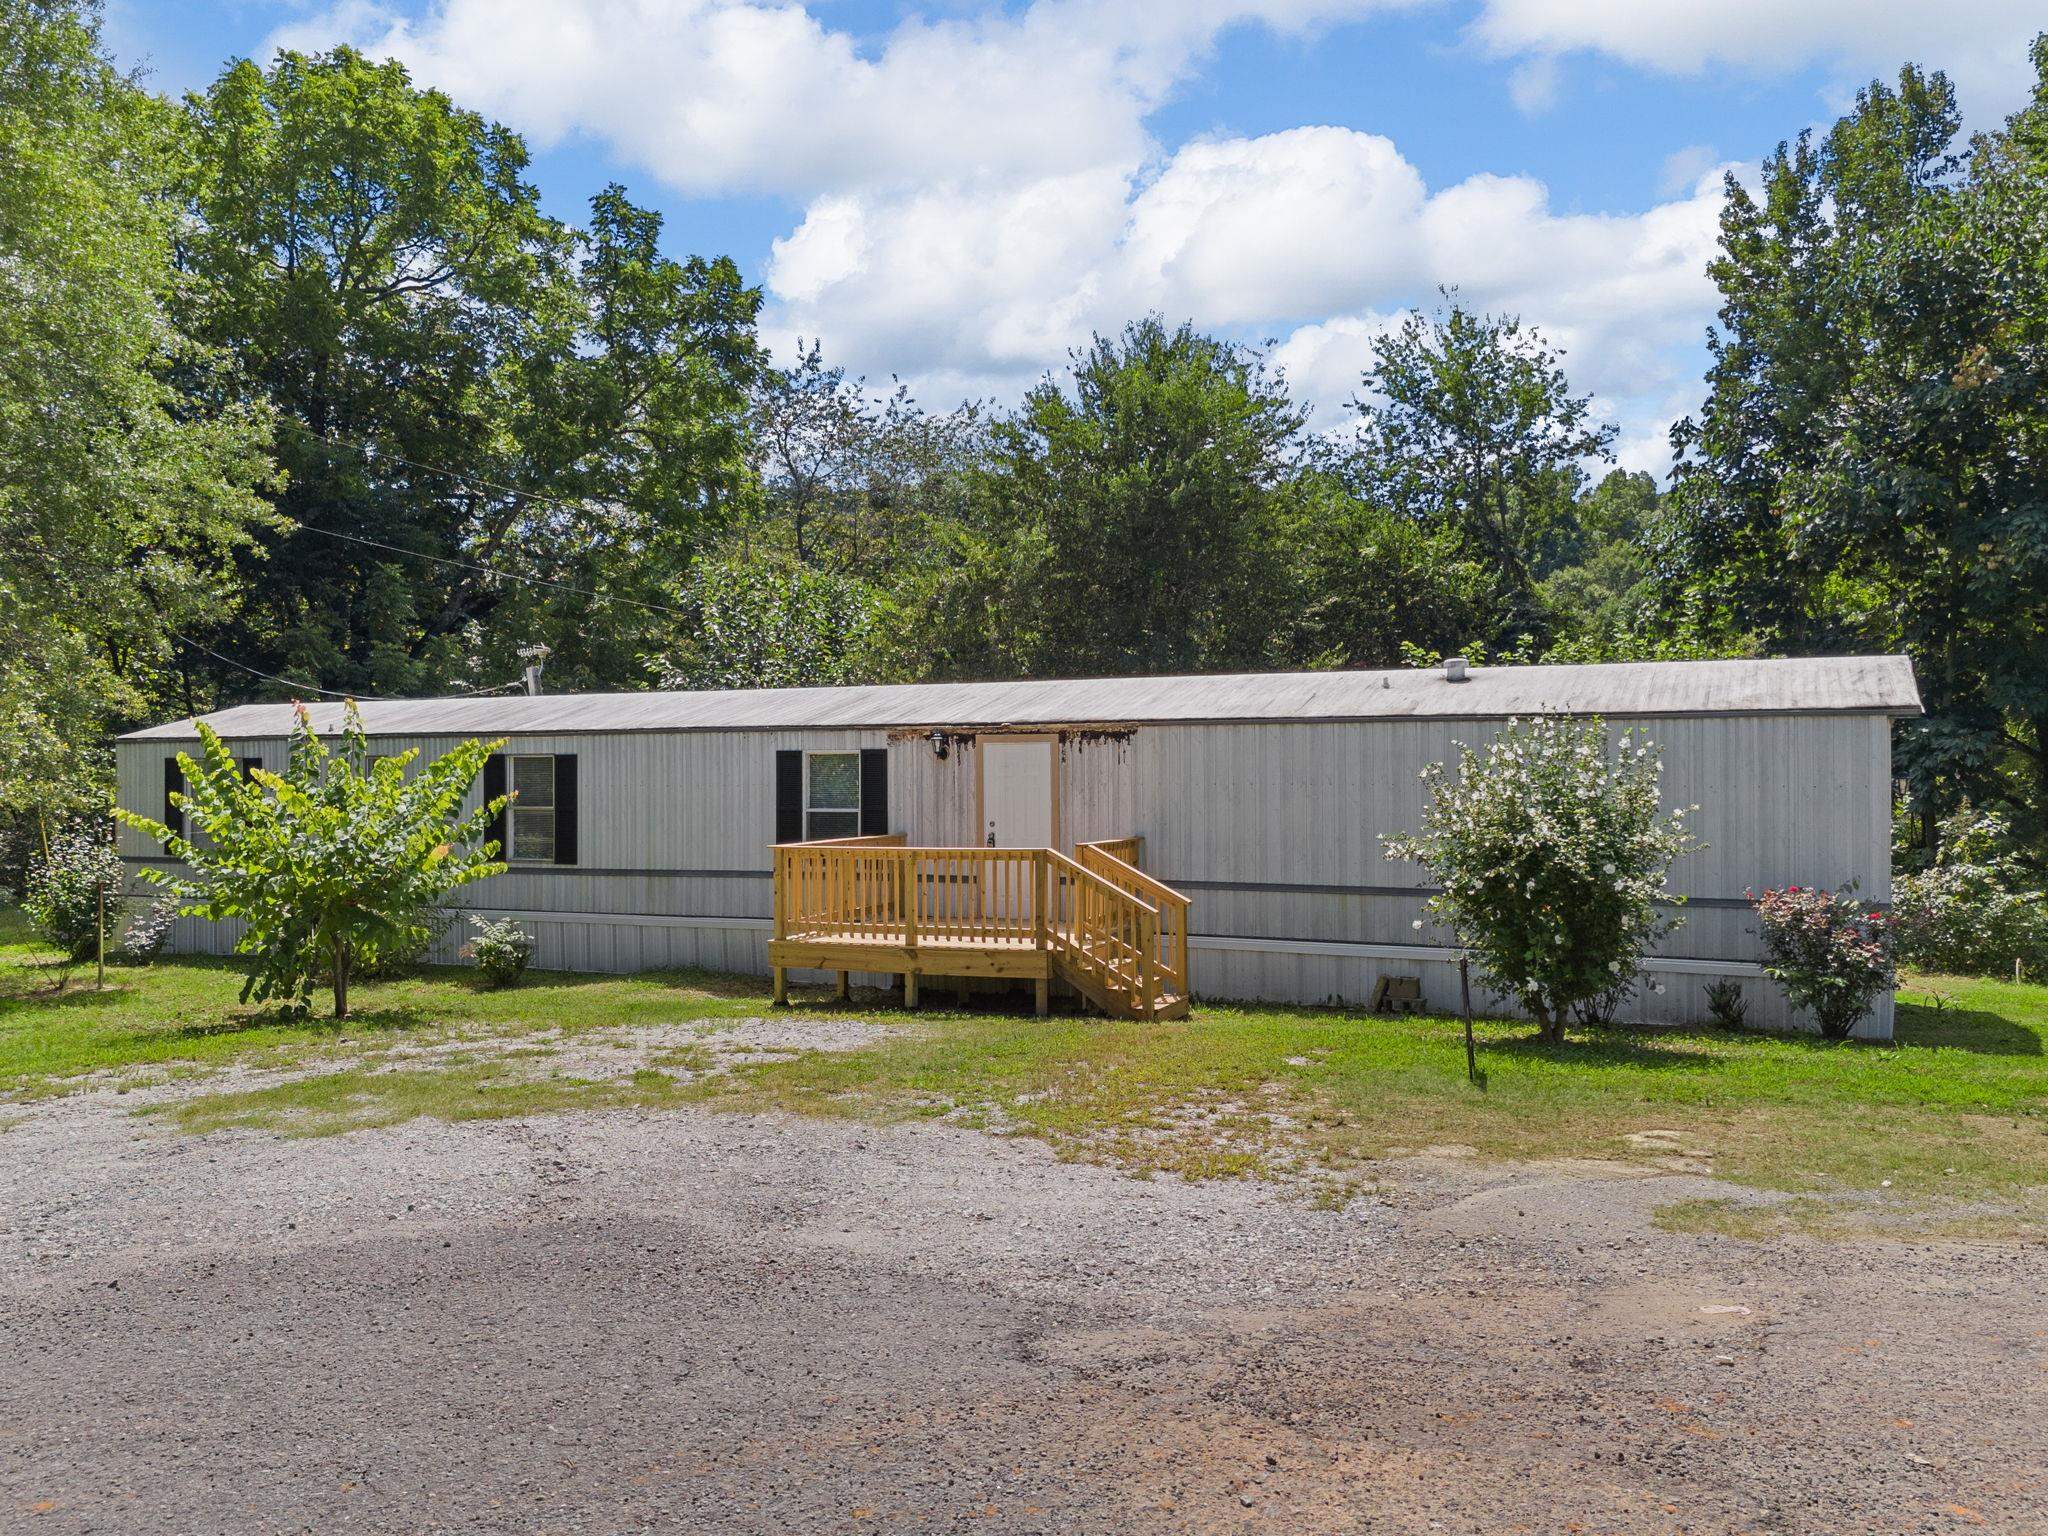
(1950, 1114)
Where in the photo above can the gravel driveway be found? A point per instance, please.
(693, 1322)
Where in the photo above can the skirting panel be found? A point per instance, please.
(1226, 969)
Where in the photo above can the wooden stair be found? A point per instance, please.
(1095, 921)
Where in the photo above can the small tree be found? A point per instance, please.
(332, 863)
(1830, 953)
(1551, 853)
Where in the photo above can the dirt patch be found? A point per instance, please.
(696, 1321)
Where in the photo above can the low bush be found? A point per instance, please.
(61, 898)
(1726, 1005)
(143, 939)
(500, 949)
(1830, 952)
(1977, 909)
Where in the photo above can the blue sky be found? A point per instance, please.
(958, 193)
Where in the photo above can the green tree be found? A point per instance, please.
(1868, 471)
(851, 480)
(121, 496)
(337, 862)
(1469, 426)
(768, 624)
(1551, 849)
(465, 383)
(1368, 581)
(1151, 487)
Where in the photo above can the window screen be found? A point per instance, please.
(831, 795)
(532, 811)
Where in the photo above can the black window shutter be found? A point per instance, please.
(246, 763)
(174, 783)
(494, 786)
(565, 807)
(874, 791)
(789, 797)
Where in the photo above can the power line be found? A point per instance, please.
(371, 450)
(289, 682)
(366, 698)
(492, 570)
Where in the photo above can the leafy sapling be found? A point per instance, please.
(336, 863)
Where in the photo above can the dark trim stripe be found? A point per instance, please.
(1417, 892)
(1248, 887)
(523, 868)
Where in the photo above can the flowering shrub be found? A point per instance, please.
(1976, 910)
(1830, 952)
(62, 896)
(500, 950)
(1551, 849)
(143, 939)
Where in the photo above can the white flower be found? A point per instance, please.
(1614, 966)
(1416, 925)
(1607, 869)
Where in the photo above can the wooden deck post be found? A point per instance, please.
(1042, 995)
(1041, 873)
(1148, 965)
(910, 989)
(781, 986)
(844, 990)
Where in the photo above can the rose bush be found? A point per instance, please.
(1830, 952)
(1551, 848)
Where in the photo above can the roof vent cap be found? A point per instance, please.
(1454, 669)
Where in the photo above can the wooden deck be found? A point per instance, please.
(1096, 921)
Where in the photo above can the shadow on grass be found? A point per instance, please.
(1638, 1050)
(1929, 1026)
(364, 1021)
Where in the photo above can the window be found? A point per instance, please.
(831, 795)
(532, 811)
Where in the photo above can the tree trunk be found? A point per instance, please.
(1550, 1024)
(341, 959)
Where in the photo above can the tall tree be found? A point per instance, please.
(1469, 425)
(1870, 470)
(121, 498)
(1148, 491)
(852, 480)
(461, 378)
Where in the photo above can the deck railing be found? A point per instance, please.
(1170, 941)
(1102, 917)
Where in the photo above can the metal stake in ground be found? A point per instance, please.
(1465, 995)
(100, 886)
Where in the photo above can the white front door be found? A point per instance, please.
(1016, 792)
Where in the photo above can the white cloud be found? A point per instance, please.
(1684, 167)
(1981, 43)
(1534, 84)
(1314, 235)
(980, 190)
(754, 95)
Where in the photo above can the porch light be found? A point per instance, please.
(939, 745)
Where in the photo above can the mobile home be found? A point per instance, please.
(1139, 839)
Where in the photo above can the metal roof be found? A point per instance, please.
(1872, 685)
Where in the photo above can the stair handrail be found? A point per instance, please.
(1170, 905)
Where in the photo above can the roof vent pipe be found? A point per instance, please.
(1454, 669)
